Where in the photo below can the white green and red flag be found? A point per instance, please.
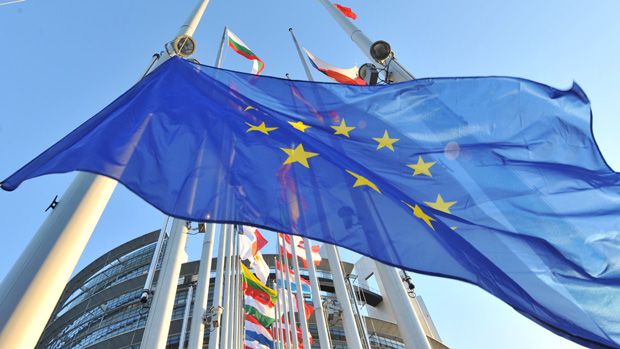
(241, 48)
(342, 75)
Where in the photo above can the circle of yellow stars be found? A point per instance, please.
(298, 154)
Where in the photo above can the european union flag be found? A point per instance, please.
(494, 181)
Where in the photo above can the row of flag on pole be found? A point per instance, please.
(260, 301)
(342, 75)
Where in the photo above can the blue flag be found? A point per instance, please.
(493, 181)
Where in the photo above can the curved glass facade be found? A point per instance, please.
(101, 308)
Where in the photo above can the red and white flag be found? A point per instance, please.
(256, 240)
(342, 75)
(298, 242)
(346, 11)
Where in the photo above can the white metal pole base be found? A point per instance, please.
(348, 318)
(197, 327)
(406, 318)
(319, 315)
(31, 289)
(158, 321)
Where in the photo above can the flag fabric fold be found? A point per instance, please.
(342, 75)
(494, 181)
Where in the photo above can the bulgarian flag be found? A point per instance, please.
(241, 48)
(259, 299)
(342, 75)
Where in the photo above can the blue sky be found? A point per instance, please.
(64, 60)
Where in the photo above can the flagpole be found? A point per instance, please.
(277, 327)
(286, 334)
(158, 321)
(148, 284)
(316, 300)
(227, 290)
(197, 326)
(301, 56)
(408, 321)
(348, 318)
(316, 294)
(188, 306)
(301, 310)
(235, 294)
(220, 51)
(396, 70)
(31, 289)
(214, 337)
(289, 292)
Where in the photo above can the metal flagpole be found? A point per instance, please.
(316, 300)
(316, 294)
(285, 306)
(300, 297)
(197, 326)
(31, 289)
(397, 71)
(158, 321)
(188, 306)
(289, 295)
(235, 294)
(220, 52)
(148, 284)
(301, 56)
(361, 321)
(277, 327)
(227, 290)
(408, 321)
(214, 337)
(348, 318)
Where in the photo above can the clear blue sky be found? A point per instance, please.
(62, 61)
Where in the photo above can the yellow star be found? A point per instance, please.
(299, 125)
(299, 155)
(361, 181)
(386, 141)
(417, 211)
(422, 167)
(343, 129)
(441, 205)
(249, 107)
(262, 128)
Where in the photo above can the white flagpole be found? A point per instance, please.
(289, 295)
(235, 294)
(397, 71)
(31, 289)
(316, 300)
(214, 337)
(197, 326)
(300, 296)
(285, 305)
(277, 325)
(188, 306)
(348, 318)
(321, 323)
(408, 321)
(227, 289)
(158, 321)
(148, 284)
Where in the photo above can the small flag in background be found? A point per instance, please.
(346, 11)
(342, 75)
(298, 242)
(259, 299)
(241, 48)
